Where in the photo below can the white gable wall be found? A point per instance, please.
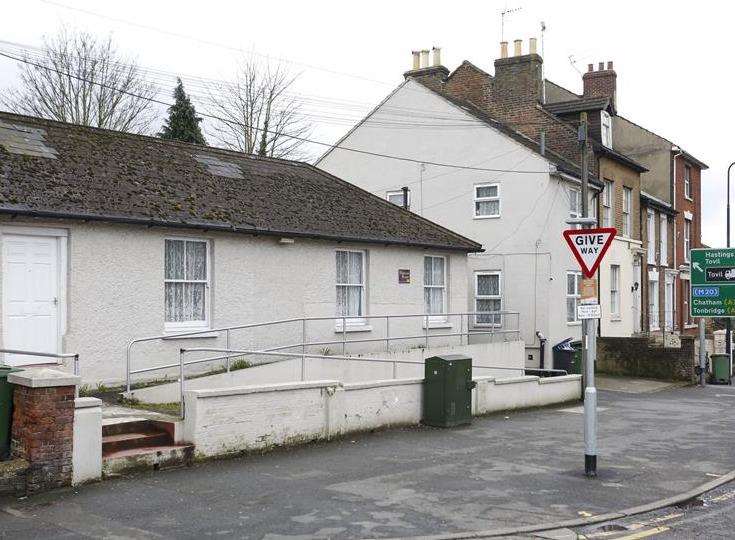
(525, 242)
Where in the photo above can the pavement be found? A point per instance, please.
(504, 470)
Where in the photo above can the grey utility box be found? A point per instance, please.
(448, 390)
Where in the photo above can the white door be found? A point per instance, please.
(669, 303)
(637, 297)
(30, 297)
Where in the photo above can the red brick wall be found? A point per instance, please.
(683, 204)
(42, 434)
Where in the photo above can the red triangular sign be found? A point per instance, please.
(589, 246)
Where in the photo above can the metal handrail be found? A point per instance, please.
(60, 356)
(479, 329)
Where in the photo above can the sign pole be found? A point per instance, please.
(702, 355)
(589, 334)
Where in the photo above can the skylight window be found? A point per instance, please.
(219, 167)
(26, 141)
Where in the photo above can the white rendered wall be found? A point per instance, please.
(525, 242)
(226, 421)
(620, 253)
(87, 440)
(115, 291)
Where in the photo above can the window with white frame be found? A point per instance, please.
(350, 284)
(687, 299)
(574, 292)
(615, 291)
(663, 237)
(687, 238)
(627, 212)
(688, 182)
(651, 236)
(186, 282)
(606, 129)
(488, 298)
(435, 286)
(397, 198)
(607, 197)
(487, 200)
(575, 204)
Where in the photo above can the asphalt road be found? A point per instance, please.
(503, 470)
(710, 516)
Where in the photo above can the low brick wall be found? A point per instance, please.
(637, 357)
(43, 426)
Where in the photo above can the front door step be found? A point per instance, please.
(140, 443)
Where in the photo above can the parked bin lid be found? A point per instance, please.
(564, 345)
(5, 370)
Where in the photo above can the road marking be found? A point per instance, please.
(645, 534)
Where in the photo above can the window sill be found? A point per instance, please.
(176, 334)
(353, 328)
(615, 318)
(688, 198)
(574, 323)
(690, 326)
(437, 324)
(487, 217)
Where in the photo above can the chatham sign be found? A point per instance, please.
(713, 283)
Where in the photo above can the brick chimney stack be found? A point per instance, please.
(518, 78)
(601, 83)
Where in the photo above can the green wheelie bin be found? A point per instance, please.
(6, 409)
(720, 369)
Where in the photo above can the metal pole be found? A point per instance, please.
(728, 322)
(303, 349)
(127, 368)
(344, 335)
(589, 335)
(76, 372)
(181, 381)
(702, 355)
(227, 346)
(387, 333)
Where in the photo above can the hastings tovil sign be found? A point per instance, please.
(589, 246)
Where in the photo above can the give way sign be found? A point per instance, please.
(589, 246)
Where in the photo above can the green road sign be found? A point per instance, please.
(713, 283)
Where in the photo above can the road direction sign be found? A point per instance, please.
(589, 246)
(712, 282)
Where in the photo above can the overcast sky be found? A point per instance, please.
(673, 59)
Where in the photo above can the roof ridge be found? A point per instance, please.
(151, 138)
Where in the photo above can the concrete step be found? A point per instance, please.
(134, 439)
(155, 457)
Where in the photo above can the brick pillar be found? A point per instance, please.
(43, 425)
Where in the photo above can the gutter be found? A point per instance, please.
(230, 228)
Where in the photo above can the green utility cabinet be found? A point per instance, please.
(6, 409)
(720, 369)
(448, 390)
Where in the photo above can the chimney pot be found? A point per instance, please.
(601, 66)
(590, 67)
(424, 58)
(517, 47)
(416, 59)
(503, 49)
(532, 45)
(609, 64)
(437, 56)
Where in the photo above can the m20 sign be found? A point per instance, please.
(589, 246)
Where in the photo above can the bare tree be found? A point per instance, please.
(81, 80)
(258, 113)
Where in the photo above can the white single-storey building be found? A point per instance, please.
(108, 237)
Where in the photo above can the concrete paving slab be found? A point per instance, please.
(507, 470)
(631, 385)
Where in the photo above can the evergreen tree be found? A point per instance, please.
(182, 123)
